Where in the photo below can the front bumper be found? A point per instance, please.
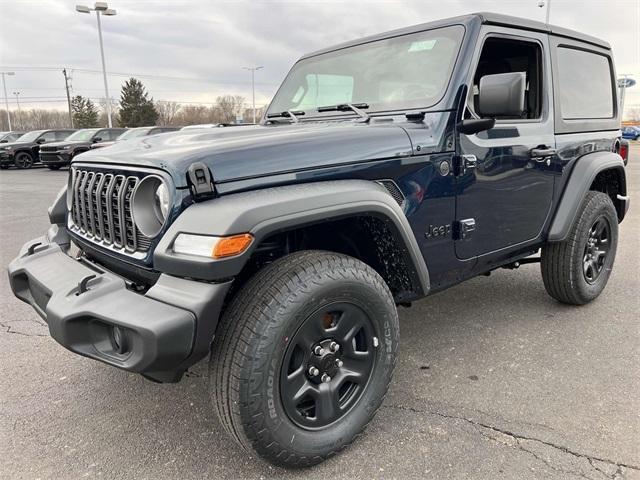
(55, 158)
(159, 333)
(6, 158)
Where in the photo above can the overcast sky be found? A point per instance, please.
(193, 51)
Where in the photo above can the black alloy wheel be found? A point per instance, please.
(327, 365)
(23, 160)
(596, 249)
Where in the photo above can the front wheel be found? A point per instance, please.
(303, 357)
(576, 270)
(23, 160)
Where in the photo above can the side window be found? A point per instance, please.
(586, 89)
(61, 135)
(502, 55)
(49, 137)
(103, 135)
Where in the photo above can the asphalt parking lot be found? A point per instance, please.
(495, 380)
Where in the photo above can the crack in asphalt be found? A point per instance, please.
(518, 439)
(9, 330)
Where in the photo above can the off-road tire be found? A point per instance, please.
(562, 262)
(251, 341)
(23, 160)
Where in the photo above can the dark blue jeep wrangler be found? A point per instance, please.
(385, 169)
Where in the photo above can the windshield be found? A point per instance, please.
(31, 136)
(82, 135)
(410, 71)
(136, 132)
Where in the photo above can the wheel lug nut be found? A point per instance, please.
(339, 363)
(334, 347)
(318, 350)
(325, 378)
(314, 372)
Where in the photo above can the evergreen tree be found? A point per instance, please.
(136, 108)
(85, 114)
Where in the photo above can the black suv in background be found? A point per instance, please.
(59, 154)
(135, 133)
(6, 137)
(23, 153)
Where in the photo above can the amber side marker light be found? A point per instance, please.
(231, 246)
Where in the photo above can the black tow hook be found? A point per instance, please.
(82, 286)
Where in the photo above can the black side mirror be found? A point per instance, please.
(502, 95)
(4, 141)
(97, 139)
(40, 141)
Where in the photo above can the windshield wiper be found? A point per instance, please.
(346, 107)
(292, 114)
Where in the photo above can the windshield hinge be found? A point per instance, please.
(200, 181)
(415, 116)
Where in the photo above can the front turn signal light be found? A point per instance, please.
(232, 246)
(212, 247)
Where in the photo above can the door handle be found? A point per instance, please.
(542, 153)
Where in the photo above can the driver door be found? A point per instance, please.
(506, 181)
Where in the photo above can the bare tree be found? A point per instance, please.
(632, 114)
(193, 115)
(35, 119)
(167, 112)
(229, 107)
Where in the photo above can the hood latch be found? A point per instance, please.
(200, 181)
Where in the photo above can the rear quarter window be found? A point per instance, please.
(586, 88)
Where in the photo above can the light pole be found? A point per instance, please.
(17, 94)
(541, 4)
(6, 100)
(253, 71)
(101, 8)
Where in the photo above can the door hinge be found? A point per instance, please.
(200, 181)
(463, 163)
(463, 229)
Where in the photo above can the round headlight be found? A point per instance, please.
(162, 202)
(150, 205)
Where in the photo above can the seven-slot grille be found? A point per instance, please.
(101, 209)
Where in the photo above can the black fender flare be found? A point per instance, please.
(584, 172)
(272, 210)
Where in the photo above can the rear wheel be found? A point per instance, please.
(23, 160)
(576, 270)
(303, 357)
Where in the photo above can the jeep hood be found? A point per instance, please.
(236, 153)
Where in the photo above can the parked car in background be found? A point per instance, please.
(59, 154)
(631, 133)
(24, 152)
(135, 133)
(7, 137)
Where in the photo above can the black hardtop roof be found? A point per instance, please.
(485, 18)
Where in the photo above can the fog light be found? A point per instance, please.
(119, 339)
